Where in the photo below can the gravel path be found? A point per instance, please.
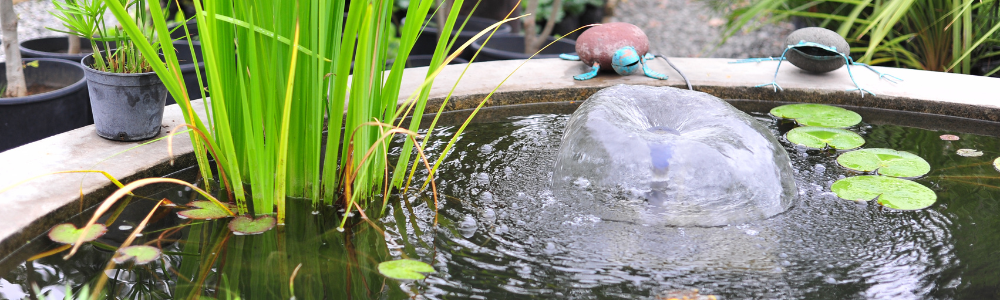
(689, 28)
(682, 28)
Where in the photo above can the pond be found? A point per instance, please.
(504, 234)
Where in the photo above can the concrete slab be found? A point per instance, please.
(32, 208)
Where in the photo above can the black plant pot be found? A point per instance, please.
(27, 119)
(177, 31)
(512, 47)
(427, 40)
(127, 107)
(55, 47)
(423, 60)
(189, 69)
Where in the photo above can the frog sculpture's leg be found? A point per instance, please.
(889, 77)
(584, 76)
(648, 71)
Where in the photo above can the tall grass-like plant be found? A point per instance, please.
(937, 35)
(279, 74)
(85, 18)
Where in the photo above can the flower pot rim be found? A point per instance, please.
(91, 69)
(46, 54)
(50, 95)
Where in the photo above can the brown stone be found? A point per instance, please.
(598, 44)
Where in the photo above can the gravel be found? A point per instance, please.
(690, 28)
(680, 28)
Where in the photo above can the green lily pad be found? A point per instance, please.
(67, 233)
(969, 152)
(819, 115)
(820, 137)
(141, 253)
(206, 210)
(891, 192)
(244, 225)
(405, 269)
(888, 162)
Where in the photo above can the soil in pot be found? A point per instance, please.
(55, 47)
(512, 47)
(127, 107)
(57, 102)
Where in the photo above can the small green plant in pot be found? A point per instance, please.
(126, 95)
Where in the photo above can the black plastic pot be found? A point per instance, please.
(512, 47)
(189, 69)
(423, 60)
(27, 119)
(55, 47)
(427, 40)
(178, 32)
(127, 107)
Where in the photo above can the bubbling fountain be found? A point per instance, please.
(696, 160)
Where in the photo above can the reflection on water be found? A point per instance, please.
(503, 234)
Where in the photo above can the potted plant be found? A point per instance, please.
(40, 89)
(126, 96)
(523, 46)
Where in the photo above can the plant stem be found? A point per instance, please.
(15, 71)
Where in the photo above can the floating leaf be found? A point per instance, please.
(141, 253)
(887, 161)
(67, 233)
(949, 137)
(205, 210)
(819, 115)
(405, 269)
(891, 192)
(820, 137)
(244, 225)
(969, 152)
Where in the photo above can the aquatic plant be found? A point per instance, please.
(886, 162)
(820, 115)
(822, 137)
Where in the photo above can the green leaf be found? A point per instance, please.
(141, 253)
(820, 137)
(206, 210)
(886, 162)
(969, 152)
(67, 233)
(244, 225)
(819, 115)
(891, 192)
(405, 269)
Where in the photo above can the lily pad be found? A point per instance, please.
(244, 225)
(405, 269)
(819, 115)
(141, 253)
(67, 233)
(891, 192)
(887, 162)
(949, 137)
(969, 152)
(205, 210)
(820, 137)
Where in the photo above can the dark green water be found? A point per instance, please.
(503, 234)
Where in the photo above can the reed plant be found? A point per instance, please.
(937, 35)
(282, 74)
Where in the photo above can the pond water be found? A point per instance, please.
(503, 234)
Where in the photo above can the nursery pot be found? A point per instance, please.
(27, 119)
(189, 69)
(512, 47)
(127, 107)
(56, 47)
(427, 40)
